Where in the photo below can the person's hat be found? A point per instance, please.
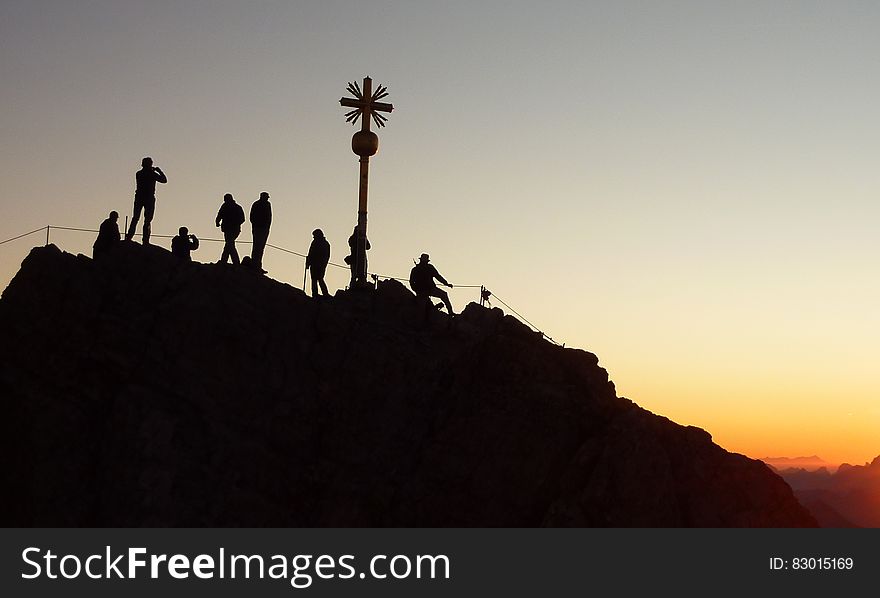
(424, 257)
(264, 195)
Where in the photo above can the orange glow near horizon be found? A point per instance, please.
(768, 419)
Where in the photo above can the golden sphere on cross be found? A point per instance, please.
(365, 143)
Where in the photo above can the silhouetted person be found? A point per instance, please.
(317, 260)
(421, 280)
(229, 219)
(108, 236)
(354, 260)
(261, 220)
(183, 244)
(145, 197)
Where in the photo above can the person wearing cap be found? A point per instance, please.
(317, 260)
(261, 220)
(183, 244)
(421, 280)
(108, 236)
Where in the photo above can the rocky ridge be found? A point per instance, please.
(139, 391)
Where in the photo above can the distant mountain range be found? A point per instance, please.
(810, 463)
(849, 497)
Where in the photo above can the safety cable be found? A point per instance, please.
(373, 275)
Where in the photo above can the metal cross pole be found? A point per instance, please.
(364, 143)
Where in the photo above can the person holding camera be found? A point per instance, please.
(145, 197)
(183, 244)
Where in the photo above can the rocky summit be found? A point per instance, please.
(142, 391)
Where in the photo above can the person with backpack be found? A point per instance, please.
(357, 260)
(229, 219)
(317, 260)
(421, 281)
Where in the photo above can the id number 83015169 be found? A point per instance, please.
(811, 563)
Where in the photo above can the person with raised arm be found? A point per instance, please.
(145, 197)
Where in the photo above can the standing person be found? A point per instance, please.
(108, 236)
(354, 260)
(145, 197)
(317, 260)
(229, 219)
(183, 244)
(261, 220)
(421, 280)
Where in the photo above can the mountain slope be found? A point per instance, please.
(139, 391)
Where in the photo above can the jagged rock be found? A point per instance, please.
(142, 391)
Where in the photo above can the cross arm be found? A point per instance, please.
(373, 106)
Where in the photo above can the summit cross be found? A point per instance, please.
(366, 104)
(367, 107)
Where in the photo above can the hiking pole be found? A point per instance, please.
(305, 271)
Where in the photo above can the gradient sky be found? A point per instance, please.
(687, 189)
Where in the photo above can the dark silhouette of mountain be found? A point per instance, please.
(824, 513)
(850, 495)
(801, 479)
(810, 463)
(143, 390)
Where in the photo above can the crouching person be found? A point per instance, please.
(183, 244)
